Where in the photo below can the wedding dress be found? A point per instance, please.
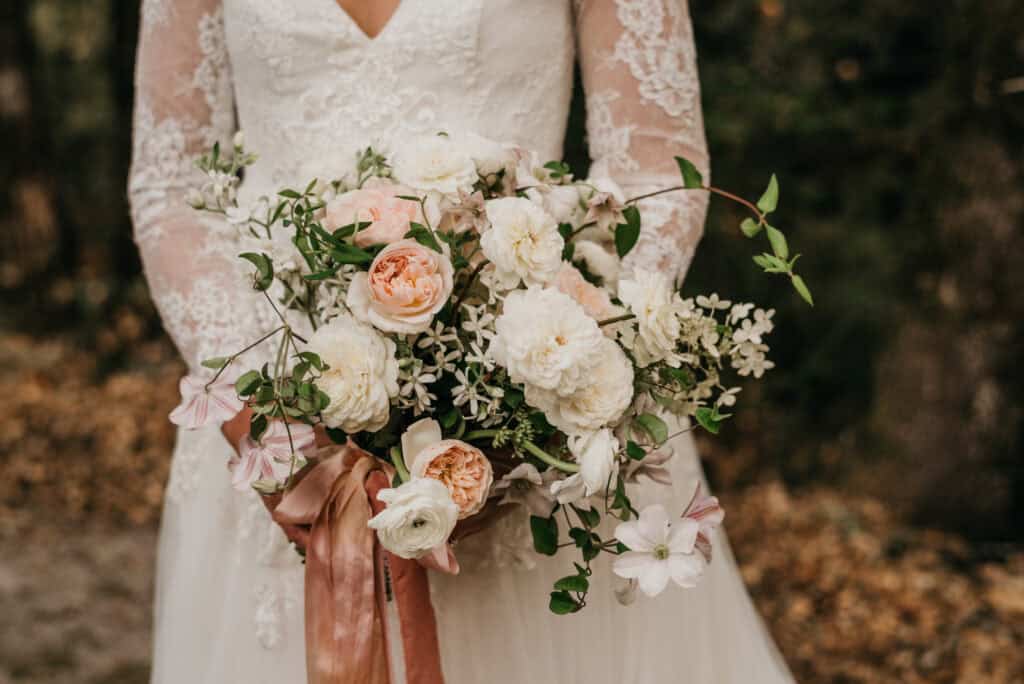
(308, 88)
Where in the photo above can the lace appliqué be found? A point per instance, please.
(609, 142)
(657, 46)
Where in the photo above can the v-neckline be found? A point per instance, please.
(348, 19)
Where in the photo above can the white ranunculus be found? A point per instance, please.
(546, 340)
(362, 377)
(657, 306)
(599, 401)
(419, 517)
(489, 156)
(522, 242)
(596, 453)
(435, 162)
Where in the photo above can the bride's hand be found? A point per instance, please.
(234, 430)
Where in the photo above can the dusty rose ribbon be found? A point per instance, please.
(345, 585)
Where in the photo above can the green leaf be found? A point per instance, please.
(350, 254)
(577, 583)
(692, 179)
(635, 451)
(562, 603)
(750, 227)
(545, 535)
(450, 419)
(410, 198)
(513, 398)
(248, 383)
(770, 199)
(591, 518)
(708, 420)
(264, 269)
(653, 426)
(257, 426)
(322, 275)
(761, 261)
(778, 241)
(290, 194)
(424, 236)
(802, 289)
(626, 234)
(216, 363)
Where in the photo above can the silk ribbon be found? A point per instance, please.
(346, 578)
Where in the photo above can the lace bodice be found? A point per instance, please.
(309, 88)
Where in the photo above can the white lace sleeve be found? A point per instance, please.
(183, 104)
(643, 107)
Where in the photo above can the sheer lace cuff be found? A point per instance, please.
(643, 107)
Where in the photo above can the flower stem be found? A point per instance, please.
(528, 446)
(616, 319)
(399, 462)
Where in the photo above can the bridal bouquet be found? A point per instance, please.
(459, 313)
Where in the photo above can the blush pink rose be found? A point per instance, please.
(407, 284)
(594, 300)
(376, 202)
(460, 467)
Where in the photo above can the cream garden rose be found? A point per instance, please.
(522, 242)
(419, 517)
(657, 307)
(377, 202)
(435, 163)
(545, 340)
(407, 284)
(362, 374)
(601, 399)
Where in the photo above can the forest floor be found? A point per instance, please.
(850, 593)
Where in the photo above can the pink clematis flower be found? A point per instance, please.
(271, 457)
(659, 550)
(201, 405)
(708, 514)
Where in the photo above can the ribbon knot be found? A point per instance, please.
(346, 584)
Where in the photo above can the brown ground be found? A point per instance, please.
(850, 594)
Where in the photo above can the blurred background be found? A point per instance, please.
(874, 482)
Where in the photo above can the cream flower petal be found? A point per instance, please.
(629, 534)
(685, 569)
(654, 524)
(632, 564)
(418, 437)
(654, 578)
(682, 536)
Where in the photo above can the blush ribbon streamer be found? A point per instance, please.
(346, 578)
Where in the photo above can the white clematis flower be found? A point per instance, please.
(659, 550)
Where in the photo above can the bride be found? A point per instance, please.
(309, 81)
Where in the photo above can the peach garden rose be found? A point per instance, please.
(459, 466)
(377, 202)
(407, 284)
